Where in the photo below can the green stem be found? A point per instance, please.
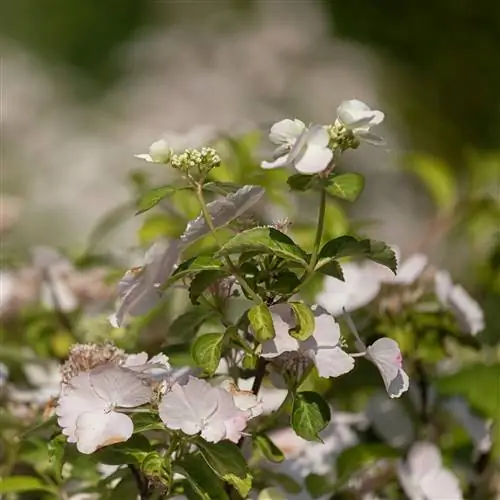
(319, 231)
(229, 262)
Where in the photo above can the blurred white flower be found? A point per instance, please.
(363, 282)
(386, 356)
(478, 428)
(197, 407)
(304, 148)
(360, 286)
(4, 374)
(390, 420)
(45, 382)
(359, 118)
(156, 368)
(322, 348)
(423, 476)
(467, 311)
(88, 407)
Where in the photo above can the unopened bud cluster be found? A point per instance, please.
(201, 161)
(341, 137)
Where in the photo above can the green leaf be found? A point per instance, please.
(348, 246)
(202, 281)
(207, 351)
(132, 451)
(206, 484)
(352, 460)
(285, 283)
(304, 319)
(303, 182)
(332, 268)
(345, 186)
(146, 422)
(226, 460)
(466, 383)
(265, 240)
(194, 266)
(438, 177)
(186, 326)
(56, 448)
(262, 322)
(310, 415)
(153, 197)
(18, 484)
(268, 448)
(318, 486)
(285, 481)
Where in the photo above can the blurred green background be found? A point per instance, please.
(87, 83)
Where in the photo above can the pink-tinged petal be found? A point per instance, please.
(95, 430)
(411, 269)
(187, 407)
(234, 427)
(386, 356)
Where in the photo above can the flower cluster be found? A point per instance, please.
(310, 150)
(101, 384)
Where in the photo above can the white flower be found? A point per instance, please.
(55, 292)
(156, 368)
(246, 401)
(360, 286)
(466, 310)
(139, 289)
(363, 282)
(304, 148)
(197, 407)
(45, 379)
(306, 457)
(357, 117)
(322, 348)
(423, 476)
(386, 356)
(88, 406)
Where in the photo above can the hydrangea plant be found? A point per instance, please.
(260, 383)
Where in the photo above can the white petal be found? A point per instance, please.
(332, 362)
(282, 161)
(326, 330)
(423, 458)
(283, 342)
(76, 398)
(443, 286)
(186, 407)
(467, 311)
(369, 137)
(355, 113)
(119, 386)
(97, 429)
(411, 269)
(315, 159)
(386, 356)
(144, 156)
(441, 484)
(286, 131)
